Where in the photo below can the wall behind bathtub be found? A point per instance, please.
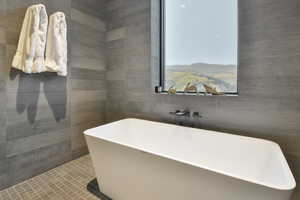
(268, 105)
(42, 116)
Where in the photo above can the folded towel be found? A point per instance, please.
(32, 42)
(56, 50)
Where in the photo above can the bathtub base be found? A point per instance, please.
(131, 174)
(93, 188)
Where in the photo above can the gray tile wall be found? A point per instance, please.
(87, 73)
(269, 79)
(42, 116)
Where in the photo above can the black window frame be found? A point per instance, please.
(162, 53)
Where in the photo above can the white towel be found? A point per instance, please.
(30, 55)
(56, 50)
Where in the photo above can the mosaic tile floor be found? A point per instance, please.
(66, 182)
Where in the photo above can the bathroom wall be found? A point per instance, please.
(88, 66)
(268, 105)
(42, 116)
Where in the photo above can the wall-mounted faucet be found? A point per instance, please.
(186, 113)
(196, 115)
(181, 113)
(186, 117)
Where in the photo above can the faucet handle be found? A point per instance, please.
(196, 115)
(180, 113)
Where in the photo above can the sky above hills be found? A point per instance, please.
(201, 31)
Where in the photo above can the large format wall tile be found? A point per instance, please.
(37, 129)
(88, 66)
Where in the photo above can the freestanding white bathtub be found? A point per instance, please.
(143, 160)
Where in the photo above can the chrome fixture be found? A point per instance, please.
(186, 118)
(186, 113)
(196, 115)
(181, 113)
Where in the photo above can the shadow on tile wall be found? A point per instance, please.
(29, 91)
(42, 116)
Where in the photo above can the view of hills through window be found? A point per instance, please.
(201, 42)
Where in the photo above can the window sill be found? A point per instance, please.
(199, 94)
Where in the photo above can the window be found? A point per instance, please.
(199, 45)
